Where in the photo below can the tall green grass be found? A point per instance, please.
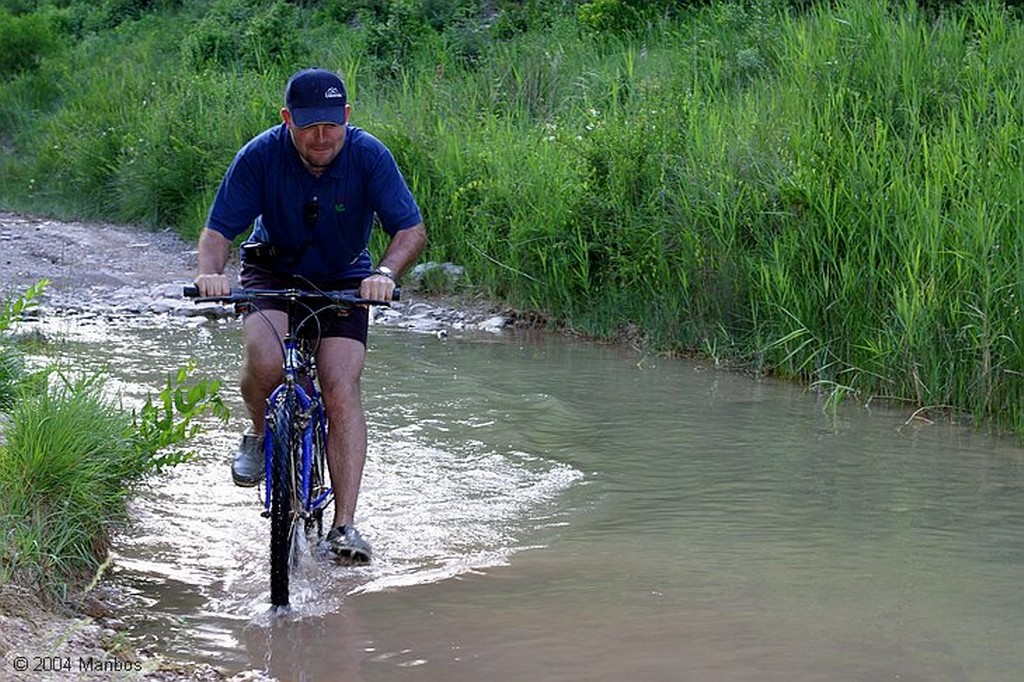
(70, 459)
(832, 195)
(900, 272)
(591, 179)
(62, 470)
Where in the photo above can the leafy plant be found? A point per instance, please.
(244, 33)
(171, 419)
(12, 309)
(395, 38)
(24, 41)
(611, 16)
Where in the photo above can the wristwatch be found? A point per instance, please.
(386, 271)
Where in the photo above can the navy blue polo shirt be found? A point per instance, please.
(267, 186)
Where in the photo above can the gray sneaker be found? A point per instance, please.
(347, 545)
(247, 467)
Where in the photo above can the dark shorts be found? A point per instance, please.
(320, 320)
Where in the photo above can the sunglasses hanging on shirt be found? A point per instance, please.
(311, 212)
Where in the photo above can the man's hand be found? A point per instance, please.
(212, 285)
(405, 247)
(213, 255)
(377, 288)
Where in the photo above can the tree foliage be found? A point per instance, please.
(25, 40)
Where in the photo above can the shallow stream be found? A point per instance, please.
(549, 509)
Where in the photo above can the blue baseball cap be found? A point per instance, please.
(316, 96)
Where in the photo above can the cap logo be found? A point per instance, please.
(333, 93)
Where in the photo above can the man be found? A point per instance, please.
(310, 188)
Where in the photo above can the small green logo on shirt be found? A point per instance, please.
(339, 208)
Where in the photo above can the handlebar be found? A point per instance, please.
(348, 297)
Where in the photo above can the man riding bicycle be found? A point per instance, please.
(310, 188)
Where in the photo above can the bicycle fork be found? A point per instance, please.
(298, 465)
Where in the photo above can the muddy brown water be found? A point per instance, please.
(548, 509)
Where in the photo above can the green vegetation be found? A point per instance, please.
(827, 191)
(71, 457)
(12, 365)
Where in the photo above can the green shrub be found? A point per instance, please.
(107, 15)
(18, 6)
(440, 14)
(24, 41)
(393, 40)
(518, 17)
(244, 33)
(272, 36)
(344, 11)
(611, 16)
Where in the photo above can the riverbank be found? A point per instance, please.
(107, 269)
(79, 640)
(100, 269)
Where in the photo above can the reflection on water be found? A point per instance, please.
(544, 509)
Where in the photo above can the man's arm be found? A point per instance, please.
(214, 249)
(404, 249)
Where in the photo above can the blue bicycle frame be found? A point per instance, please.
(313, 418)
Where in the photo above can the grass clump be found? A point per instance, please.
(24, 42)
(62, 474)
(898, 270)
(70, 458)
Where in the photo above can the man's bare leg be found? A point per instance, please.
(260, 373)
(340, 364)
(262, 361)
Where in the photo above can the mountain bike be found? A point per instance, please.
(295, 434)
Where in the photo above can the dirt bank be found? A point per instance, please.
(87, 259)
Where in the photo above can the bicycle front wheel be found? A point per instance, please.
(319, 492)
(286, 443)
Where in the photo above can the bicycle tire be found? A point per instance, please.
(285, 443)
(319, 486)
(318, 493)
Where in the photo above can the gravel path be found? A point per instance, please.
(100, 268)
